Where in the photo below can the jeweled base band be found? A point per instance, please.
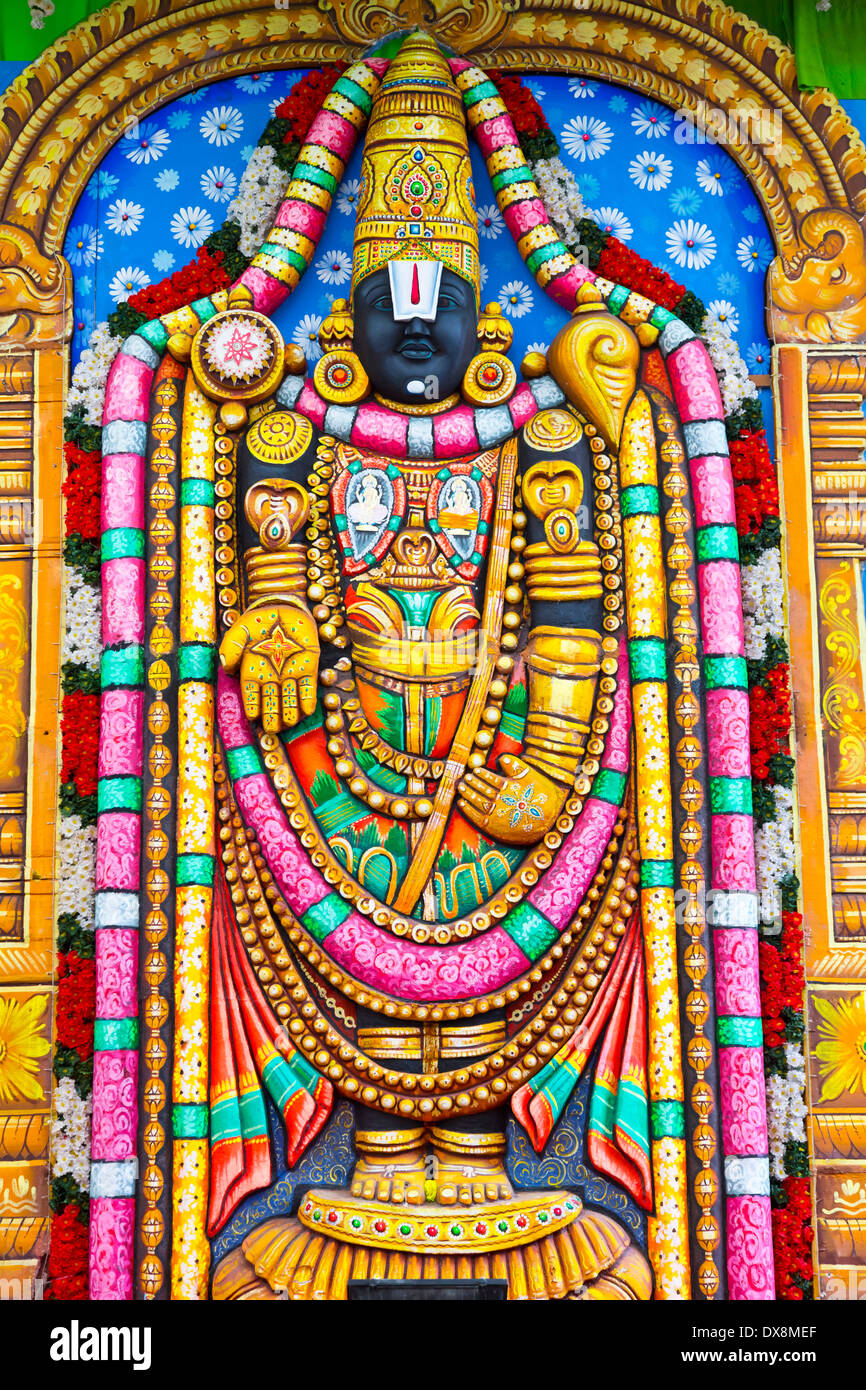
(590, 1257)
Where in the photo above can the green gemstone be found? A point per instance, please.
(317, 1216)
(502, 1226)
(356, 1223)
(456, 1230)
(542, 1216)
(405, 1230)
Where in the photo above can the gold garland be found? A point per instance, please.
(270, 934)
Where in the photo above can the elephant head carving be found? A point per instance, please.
(818, 295)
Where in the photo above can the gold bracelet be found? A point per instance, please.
(275, 574)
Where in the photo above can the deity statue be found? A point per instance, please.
(454, 651)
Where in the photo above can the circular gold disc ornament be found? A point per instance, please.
(238, 356)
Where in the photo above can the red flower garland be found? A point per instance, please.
(756, 492)
(792, 1238)
(76, 1002)
(619, 263)
(79, 726)
(770, 719)
(302, 105)
(525, 112)
(67, 1256)
(82, 490)
(203, 276)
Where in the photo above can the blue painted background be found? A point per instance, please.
(161, 191)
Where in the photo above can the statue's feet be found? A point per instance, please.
(467, 1182)
(389, 1181)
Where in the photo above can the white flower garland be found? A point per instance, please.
(560, 195)
(91, 374)
(262, 188)
(70, 1133)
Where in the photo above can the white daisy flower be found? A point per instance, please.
(538, 347)
(347, 195)
(219, 183)
(124, 217)
(306, 335)
(711, 177)
(222, 125)
(613, 221)
(651, 171)
(586, 137)
(167, 180)
(535, 88)
(254, 82)
(490, 221)
(691, 244)
(334, 268)
(84, 245)
(146, 142)
(581, 87)
(515, 299)
(127, 280)
(650, 121)
(163, 260)
(754, 253)
(726, 314)
(483, 273)
(191, 226)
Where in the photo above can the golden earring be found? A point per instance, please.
(490, 379)
(338, 375)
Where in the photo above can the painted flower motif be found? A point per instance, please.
(490, 221)
(589, 187)
(618, 103)
(728, 283)
(586, 137)
(754, 253)
(222, 125)
(579, 87)
(219, 183)
(146, 142)
(179, 120)
(334, 268)
(522, 804)
(124, 217)
(714, 175)
(650, 121)
(84, 245)
(515, 298)
(194, 97)
(254, 82)
(841, 1051)
(535, 87)
(306, 335)
(167, 180)
(725, 313)
(651, 171)
(758, 358)
(691, 244)
(752, 213)
(163, 260)
(538, 347)
(613, 221)
(191, 226)
(347, 196)
(127, 280)
(684, 201)
(22, 1043)
(102, 185)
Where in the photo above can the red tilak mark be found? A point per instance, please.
(416, 291)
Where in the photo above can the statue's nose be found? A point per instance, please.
(417, 328)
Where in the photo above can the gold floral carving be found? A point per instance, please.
(842, 697)
(13, 647)
(33, 293)
(818, 294)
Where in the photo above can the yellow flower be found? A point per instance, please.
(21, 1043)
(841, 1052)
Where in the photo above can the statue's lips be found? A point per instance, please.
(418, 350)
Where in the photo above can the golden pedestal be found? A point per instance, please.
(545, 1244)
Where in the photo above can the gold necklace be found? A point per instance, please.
(427, 408)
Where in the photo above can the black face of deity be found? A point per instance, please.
(397, 356)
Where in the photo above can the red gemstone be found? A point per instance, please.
(557, 1211)
(481, 1229)
(521, 1222)
(432, 1230)
(333, 1217)
(381, 1227)
(340, 375)
(415, 211)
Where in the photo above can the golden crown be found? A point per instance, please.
(417, 201)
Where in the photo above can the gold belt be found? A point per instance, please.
(416, 654)
(431, 1043)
